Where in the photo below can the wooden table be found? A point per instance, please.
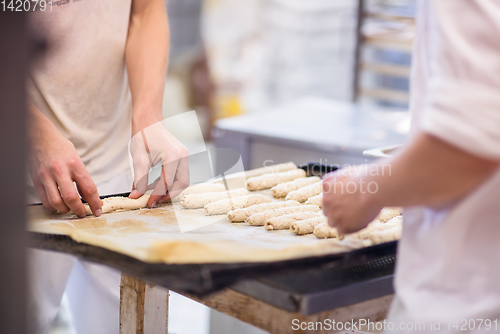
(144, 309)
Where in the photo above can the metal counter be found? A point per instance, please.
(311, 129)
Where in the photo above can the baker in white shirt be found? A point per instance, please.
(100, 82)
(447, 177)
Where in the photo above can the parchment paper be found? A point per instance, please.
(154, 235)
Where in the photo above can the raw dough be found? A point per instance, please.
(259, 219)
(307, 226)
(377, 226)
(235, 180)
(316, 200)
(324, 230)
(240, 215)
(388, 213)
(281, 190)
(270, 180)
(201, 188)
(271, 169)
(377, 232)
(111, 204)
(195, 201)
(303, 194)
(226, 205)
(284, 222)
(391, 234)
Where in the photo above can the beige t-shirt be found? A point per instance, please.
(81, 82)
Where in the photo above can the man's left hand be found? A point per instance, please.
(152, 145)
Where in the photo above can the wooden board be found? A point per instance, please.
(172, 234)
(277, 321)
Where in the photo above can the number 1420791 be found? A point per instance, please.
(25, 5)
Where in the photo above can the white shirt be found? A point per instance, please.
(448, 267)
(81, 84)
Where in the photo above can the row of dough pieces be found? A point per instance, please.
(291, 184)
(257, 210)
(112, 204)
(307, 219)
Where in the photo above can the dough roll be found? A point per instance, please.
(240, 215)
(271, 169)
(282, 189)
(284, 222)
(307, 226)
(391, 234)
(195, 201)
(111, 204)
(388, 213)
(324, 230)
(377, 226)
(303, 194)
(316, 200)
(270, 180)
(201, 188)
(259, 219)
(224, 206)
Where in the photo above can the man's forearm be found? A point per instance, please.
(147, 57)
(428, 172)
(40, 127)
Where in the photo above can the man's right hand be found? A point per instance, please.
(54, 165)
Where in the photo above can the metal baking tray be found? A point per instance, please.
(202, 279)
(330, 286)
(308, 285)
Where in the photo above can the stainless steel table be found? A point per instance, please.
(310, 129)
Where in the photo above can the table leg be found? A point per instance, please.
(143, 307)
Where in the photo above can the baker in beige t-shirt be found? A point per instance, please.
(99, 83)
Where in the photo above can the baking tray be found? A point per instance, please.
(203, 279)
(340, 273)
(311, 291)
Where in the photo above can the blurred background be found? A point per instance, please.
(230, 57)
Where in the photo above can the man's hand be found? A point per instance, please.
(54, 165)
(428, 172)
(152, 145)
(345, 201)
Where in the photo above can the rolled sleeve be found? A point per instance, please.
(466, 115)
(462, 100)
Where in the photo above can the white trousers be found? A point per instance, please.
(93, 290)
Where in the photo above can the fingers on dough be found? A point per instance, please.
(307, 226)
(324, 230)
(259, 219)
(201, 188)
(270, 180)
(282, 189)
(196, 201)
(226, 205)
(111, 204)
(316, 200)
(240, 215)
(303, 194)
